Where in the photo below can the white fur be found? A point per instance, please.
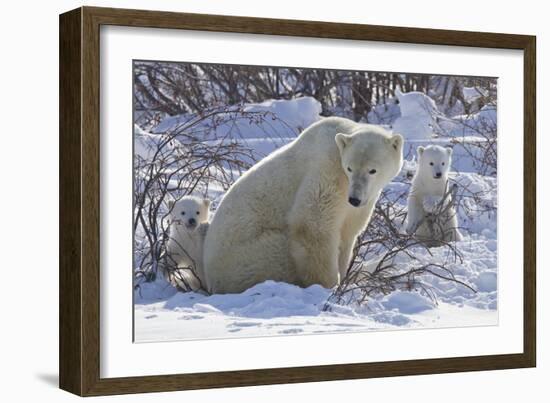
(426, 195)
(188, 228)
(289, 219)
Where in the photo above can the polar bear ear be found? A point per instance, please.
(206, 203)
(449, 150)
(396, 141)
(420, 150)
(342, 140)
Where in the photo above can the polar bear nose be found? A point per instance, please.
(192, 221)
(438, 175)
(354, 202)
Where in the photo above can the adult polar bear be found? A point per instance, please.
(295, 215)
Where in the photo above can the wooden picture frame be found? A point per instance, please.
(79, 348)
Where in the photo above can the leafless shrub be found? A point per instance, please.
(438, 216)
(386, 259)
(167, 89)
(191, 157)
(476, 135)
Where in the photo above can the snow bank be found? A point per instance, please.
(297, 113)
(417, 116)
(473, 93)
(472, 124)
(385, 114)
(146, 144)
(262, 127)
(274, 308)
(407, 302)
(266, 300)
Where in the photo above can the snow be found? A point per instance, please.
(486, 281)
(469, 125)
(385, 114)
(473, 93)
(275, 308)
(408, 302)
(417, 116)
(145, 143)
(262, 127)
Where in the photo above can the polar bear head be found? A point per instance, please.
(371, 157)
(189, 211)
(434, 162)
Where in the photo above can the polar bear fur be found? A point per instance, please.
(295, 216)
(184, 250)
(428, 218)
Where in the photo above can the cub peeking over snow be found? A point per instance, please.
(188, 227)
(430, 217)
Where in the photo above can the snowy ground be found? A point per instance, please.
(272, 308)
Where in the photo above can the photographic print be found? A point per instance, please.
(273, 201)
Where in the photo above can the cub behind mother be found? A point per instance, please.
(295, 215)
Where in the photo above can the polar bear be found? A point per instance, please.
(189, 224)
(295, 215)
(431, 217)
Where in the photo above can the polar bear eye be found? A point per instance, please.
(372, 171)
(198, 212)
(431, 163)
(349, 169)
(442, 163)
(183, 213)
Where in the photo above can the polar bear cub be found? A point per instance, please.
(430, 216)
(188, 227)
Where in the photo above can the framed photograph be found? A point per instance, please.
(249, 201)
